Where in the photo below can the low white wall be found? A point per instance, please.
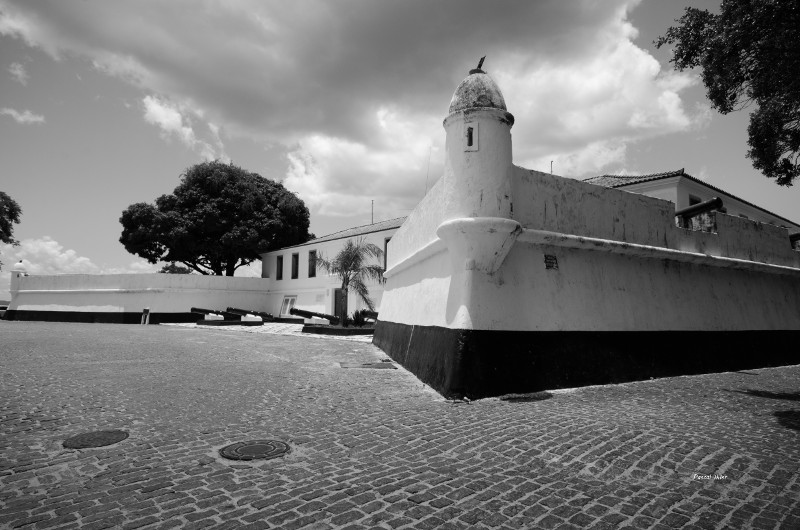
(162, 293)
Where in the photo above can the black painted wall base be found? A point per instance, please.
(482, 363)
(100, 317)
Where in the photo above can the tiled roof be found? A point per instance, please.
(356, 231)
(615, 181)
(618, 181)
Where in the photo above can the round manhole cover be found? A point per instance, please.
(254, 449)
(94, 439)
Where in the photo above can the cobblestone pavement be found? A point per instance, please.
(372, 448)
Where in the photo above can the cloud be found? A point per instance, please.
(583, 112)
(24, 117)
(355, 91)
(47, 256)
(171, 121)
(18, 73)
(340, 176)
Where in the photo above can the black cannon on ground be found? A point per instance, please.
(310, 314)
(202, 311)
(266, 317)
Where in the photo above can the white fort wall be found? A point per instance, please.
(121, 297)
(627, 268)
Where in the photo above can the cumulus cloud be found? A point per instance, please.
(583, 112)
(169, 118)
(47, 256)
(355, 92)
(338, 176)
(18, 73)
(25, 117)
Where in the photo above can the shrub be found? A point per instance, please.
(358, 319)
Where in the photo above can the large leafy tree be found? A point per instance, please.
(219, 218)
(749, 54)
(351, 265)
(9, 216)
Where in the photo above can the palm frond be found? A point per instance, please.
(371, 272)
(324, 264)
(361, 290)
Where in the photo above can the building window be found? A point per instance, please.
(288, 304)
(295, 266)
(471, 137)
(386, 252)
(279, 268)
(312, 263)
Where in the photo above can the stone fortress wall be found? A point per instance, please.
(511, 280)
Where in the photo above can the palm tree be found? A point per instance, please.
(350, 265)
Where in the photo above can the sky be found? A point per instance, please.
(104, 104)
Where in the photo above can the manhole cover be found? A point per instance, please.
(94, 439)
(255, 449)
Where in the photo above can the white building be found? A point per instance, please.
(684, 190)
(295, 281)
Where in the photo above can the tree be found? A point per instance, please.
(749, 54)
(9, 216)
(351, 266)
(219, 218)
(174, 268)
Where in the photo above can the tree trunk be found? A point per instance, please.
(343, 312)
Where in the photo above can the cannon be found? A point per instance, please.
(207, 311)
(310, 314)
(267, 317)
(684, 217)
(701, 207)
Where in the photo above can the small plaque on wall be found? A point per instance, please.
(550, 261)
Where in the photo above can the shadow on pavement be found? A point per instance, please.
(789, 396)
(789, 418)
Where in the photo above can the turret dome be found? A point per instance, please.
(477, 91)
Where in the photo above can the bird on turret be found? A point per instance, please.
(478, 69)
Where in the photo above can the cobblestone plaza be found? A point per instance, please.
(372, 448)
